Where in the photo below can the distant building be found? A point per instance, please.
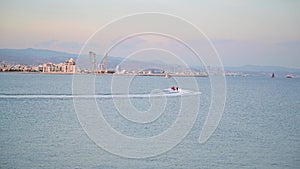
(152, 71)
(67, 67)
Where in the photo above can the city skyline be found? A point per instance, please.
(249, 32)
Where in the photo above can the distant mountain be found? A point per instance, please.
(38, 56)
(33, 56)
(254, 68)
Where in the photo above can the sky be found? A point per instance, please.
(244, 32)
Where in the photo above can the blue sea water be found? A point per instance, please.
(259, 128)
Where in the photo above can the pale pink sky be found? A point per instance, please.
(244, 32)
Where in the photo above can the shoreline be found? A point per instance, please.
(109, 74)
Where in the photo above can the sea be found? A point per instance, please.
(40, 126)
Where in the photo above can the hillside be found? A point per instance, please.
(38, 56)
(32, 56)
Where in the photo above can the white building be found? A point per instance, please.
(67, 67)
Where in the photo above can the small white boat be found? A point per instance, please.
(289, 76)
(167, 75)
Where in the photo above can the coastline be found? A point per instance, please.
(107, 74)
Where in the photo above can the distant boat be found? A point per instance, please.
(273, 75)
(289, 76)
(167, 75)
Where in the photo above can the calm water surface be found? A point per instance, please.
(259, 128)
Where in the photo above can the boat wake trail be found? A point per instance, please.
(100, 96)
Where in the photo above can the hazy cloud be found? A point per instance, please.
(71, 47)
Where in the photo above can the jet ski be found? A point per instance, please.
(173, 90)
